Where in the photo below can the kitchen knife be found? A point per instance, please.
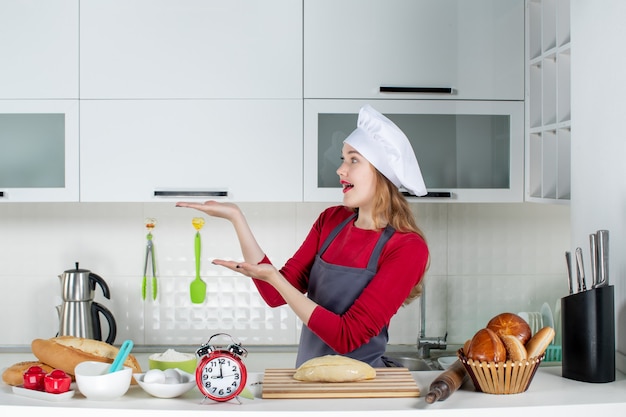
(580, 270)
(593, 252)
(603, 258)
(568, 261)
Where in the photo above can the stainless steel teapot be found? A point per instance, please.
(80, 285)
(79, 315)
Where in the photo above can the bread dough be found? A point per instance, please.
(334, 368)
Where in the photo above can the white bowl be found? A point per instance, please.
(446, 361)
(164, 390)
(95, 383)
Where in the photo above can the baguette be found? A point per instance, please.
(14, 374)
(65, 352)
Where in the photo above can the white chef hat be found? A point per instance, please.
(386, 147)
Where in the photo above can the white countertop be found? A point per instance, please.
(548, 393)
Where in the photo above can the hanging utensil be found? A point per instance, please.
(197, 288)
(150, 224)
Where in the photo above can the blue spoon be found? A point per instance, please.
(121, 356)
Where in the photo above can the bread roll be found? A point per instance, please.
(515, 350)
(14, 374)
(334, 368)
(509, 323)
(486, 346)
(466, 346)
(539, 342)
(65, 352)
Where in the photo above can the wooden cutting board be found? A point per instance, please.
(389, 382)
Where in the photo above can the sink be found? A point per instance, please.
(409, 358)
(410, 361)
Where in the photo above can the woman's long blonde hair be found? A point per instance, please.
(390, 207)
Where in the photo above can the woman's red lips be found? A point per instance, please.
(346, 186)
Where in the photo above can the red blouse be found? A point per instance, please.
(401, 265)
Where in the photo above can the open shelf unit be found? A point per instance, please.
(548, 103)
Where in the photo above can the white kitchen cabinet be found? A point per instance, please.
(191, 49)
(132, 149)
(352, 48)
(39, 49)
(548, 104)
(39, 150)
(468, 151)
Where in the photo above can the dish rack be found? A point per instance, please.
(553, 354)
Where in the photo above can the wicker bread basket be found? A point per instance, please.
(510, 377)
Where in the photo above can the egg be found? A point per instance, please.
(172, 380)
(172, 376)
(154, 376)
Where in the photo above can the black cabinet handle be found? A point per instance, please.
(189, 193)
(1, 193)
(430, 194)
(436, 90)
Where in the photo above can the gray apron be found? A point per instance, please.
(335, 288)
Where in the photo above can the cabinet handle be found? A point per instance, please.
(188, 193)
(430, 194)
(1, 193)
(437, 90)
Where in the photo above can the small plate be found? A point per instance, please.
(547, 316)
(537, 321)
(557, 323)
(526, 316)
(42, 395)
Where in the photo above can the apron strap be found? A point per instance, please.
(373, 261)
(334, 234)
(386, 235)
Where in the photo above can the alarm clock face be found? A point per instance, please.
(221, 376)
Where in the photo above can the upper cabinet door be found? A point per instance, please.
(39, 49)
(468, 150)
(156, 150)
(352, 48)
(191, 49)
(39, 150)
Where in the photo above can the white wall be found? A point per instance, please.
(598, 138)
(486, 259)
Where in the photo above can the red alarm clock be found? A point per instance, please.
(221, 374)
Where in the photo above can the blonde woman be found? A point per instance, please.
(360, 262)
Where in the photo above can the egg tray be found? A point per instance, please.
(510, 377)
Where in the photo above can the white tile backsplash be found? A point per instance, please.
(485, 259)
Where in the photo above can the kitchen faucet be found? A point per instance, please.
(425, 344)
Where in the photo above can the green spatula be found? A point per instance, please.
(197, 289)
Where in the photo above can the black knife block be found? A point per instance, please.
(588, 335)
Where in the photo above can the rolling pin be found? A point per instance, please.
(447, 382)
